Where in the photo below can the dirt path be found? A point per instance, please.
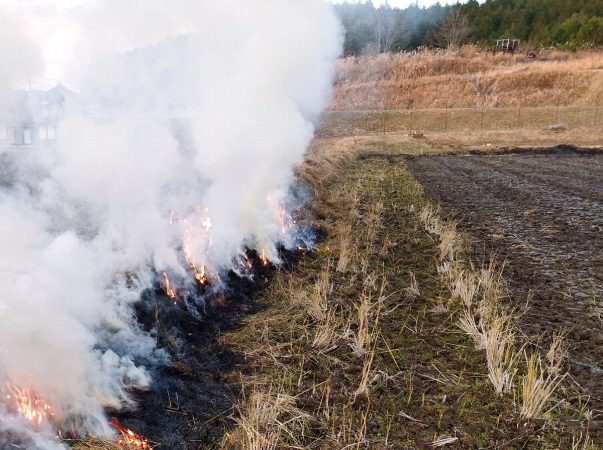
(543, 214)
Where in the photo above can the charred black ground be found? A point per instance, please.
(188, 400)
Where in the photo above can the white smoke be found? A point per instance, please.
(194, 109)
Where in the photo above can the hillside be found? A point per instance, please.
(467, 79)
(538, 23)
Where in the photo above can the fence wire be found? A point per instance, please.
(348, 123)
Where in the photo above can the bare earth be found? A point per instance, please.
(543, 215)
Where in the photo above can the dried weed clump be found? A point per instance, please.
(476, 296)
(265, 421)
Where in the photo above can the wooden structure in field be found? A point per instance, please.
(507, 45)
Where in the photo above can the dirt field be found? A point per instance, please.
(543, 214)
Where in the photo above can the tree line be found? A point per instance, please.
(569, 24)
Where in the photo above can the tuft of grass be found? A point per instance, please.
(412, 291)
(468, 323)
(326, 331)
(537, 388)
(345, 243)
(584, 442)
(316, 301)
(265, 421)
(465, 287)
(557, 353)
(368, 311)
(96, 444)
(501, 358)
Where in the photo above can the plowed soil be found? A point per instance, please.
(542, 213)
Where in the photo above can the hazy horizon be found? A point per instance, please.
(399, 3)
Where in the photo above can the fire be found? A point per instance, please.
(285, 221)
(130, 440)
(198, 270)
(171, 293)
(263, 258)
(29, 405)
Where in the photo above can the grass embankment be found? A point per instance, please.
(468, 78)
(361, 345)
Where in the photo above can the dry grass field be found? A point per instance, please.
(468, 78)
(393, 334)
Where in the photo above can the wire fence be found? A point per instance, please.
(348, 123)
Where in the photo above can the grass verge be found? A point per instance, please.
(366, 338)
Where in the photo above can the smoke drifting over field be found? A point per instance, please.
(177, 156)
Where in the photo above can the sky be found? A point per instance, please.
(402, 3)
(48, 22)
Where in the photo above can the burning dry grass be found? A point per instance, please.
(434, 79)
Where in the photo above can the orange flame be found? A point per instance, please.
(171, 293)
(263, 258)
(129, 439)
(198, 271)
(30, 406)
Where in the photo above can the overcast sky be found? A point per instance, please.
(401, 3)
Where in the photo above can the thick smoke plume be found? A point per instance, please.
(177, 154)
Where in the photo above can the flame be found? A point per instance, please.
(263, 258)
(129, 439)
(171, 293)
(198, 271)
(29, 405)
(285, 221)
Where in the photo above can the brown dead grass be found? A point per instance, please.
(525, 138)
(434, 79)
(375, 367)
